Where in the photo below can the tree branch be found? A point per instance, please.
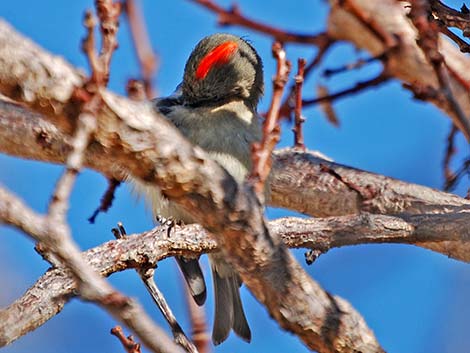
(147, 277)
(148, 60)
(55, 288)
(299, 180)
(90, 285)
(234, 16)
(452, 17)
(149, 148)
(297, 183)
(428, 42)
(261, 152)
(408, 63)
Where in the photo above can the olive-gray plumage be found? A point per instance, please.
(217, 112)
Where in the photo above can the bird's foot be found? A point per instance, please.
(168, 222)
(120, 231)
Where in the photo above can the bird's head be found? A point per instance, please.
(223, 67)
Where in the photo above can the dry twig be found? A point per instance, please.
(428, 42)
(327, 106)
(197, 316)
(406, 61)
(288, 105)
(450, 152)
(299, 119)
(261, 152)
(463, 45)
(147, 59)
(146, 274)
(235, 17)
(40, 303)
(355, 65)
(464, 169)
(108, 13)
(127, 342)
(383, 77)
(106, 200)
(451, 17)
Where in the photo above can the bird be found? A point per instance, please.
(215, 108)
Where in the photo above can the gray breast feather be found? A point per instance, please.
(225, 132)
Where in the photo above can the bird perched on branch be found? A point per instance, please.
(215, 108)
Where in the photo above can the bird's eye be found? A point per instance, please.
(218, 56)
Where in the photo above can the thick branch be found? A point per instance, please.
(89, 284)
(149, 148)
(309, 184)
(408, 63)
(299, 180)
(55, 288)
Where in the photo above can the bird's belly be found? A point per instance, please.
(161, 206)
(233, 165)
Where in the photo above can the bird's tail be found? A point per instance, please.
(194, 278)
(228, 306)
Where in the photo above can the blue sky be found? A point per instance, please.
(412, 298)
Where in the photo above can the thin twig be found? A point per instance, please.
(288, 105)
(58, 205)
(145, 55)
(147, 276)
(299, 119)
(463, 170)
(234, 16)
(127, 342)
(450, 152)
(106, 200)
(327, 106)
(261, 152)
(428, 42)
(108, 13)
(463, 45)
(451, 17)
(197, 317)
(358, 87)
(89, 44)
(355, 65)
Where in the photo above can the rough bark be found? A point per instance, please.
(145, 145)
(408, 63)
(300, 181)
(132, 139)
(55, 288)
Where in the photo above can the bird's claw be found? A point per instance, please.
(120, 231)
(169, 222)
